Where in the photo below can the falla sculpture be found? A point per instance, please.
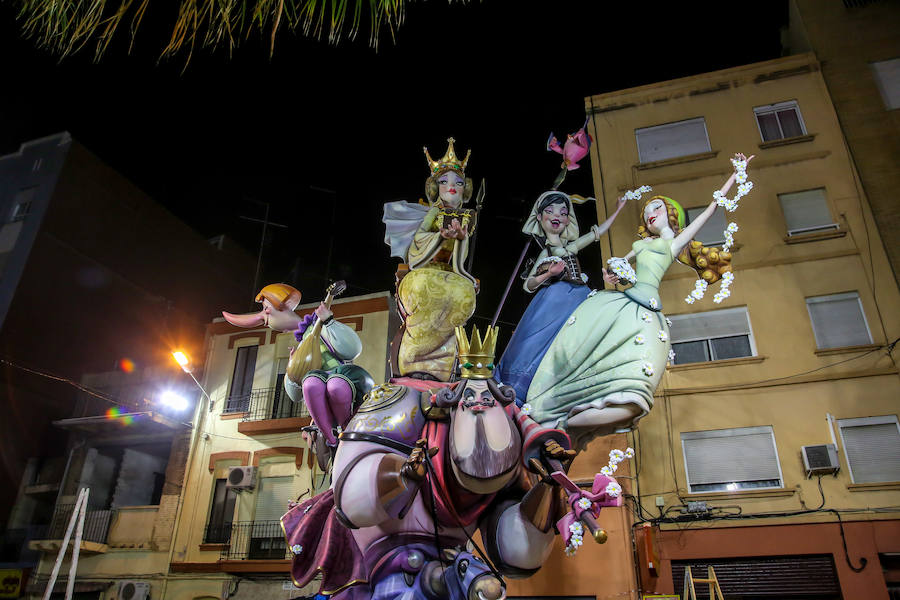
(446, 448)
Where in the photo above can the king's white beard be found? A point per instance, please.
(484, 445)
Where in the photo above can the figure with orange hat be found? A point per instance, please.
(330, 385)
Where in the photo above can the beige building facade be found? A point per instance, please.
(800, 355)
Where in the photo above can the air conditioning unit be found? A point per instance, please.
(133, 590)
(241, 478)
(820, 460)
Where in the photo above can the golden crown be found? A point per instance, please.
(476, 356)
(449, 163)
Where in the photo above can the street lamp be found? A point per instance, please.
(185, 363)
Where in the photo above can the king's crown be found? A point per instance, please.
(476, 356)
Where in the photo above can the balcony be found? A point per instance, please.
(93, 538)
(268, 410)
(249, 540)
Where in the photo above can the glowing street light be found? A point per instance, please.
(183, 361)
(174, 401)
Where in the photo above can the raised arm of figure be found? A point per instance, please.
(596, 231)
(687, 234)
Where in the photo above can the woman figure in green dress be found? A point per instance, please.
(599, 374)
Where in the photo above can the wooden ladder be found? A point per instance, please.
(715, 592)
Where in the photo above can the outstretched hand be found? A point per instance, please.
(610, 277)
(456, 231)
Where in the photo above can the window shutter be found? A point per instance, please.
(672, 139)
(887, 76)
(838, 321)
(730, 455)
(806, 211)
(873, 451)
(712, 324)
(273, 496)
(712, 232)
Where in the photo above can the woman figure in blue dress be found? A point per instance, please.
(558, 282)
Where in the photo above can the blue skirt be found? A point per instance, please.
(544, 317)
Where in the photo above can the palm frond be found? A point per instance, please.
(65, 27)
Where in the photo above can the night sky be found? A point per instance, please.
(326, 135)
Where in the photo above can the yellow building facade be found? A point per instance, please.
(228, 540)
(208, 538)
(800, 355)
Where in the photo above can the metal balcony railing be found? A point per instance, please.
(96, 523)
(266, 403)
(250, 540)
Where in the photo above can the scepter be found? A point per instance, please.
(479, 202)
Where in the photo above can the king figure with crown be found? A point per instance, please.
(418, 470)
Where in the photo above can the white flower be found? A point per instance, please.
(739, 165)
(732, 227)
(571, 320)
(645, 317)
(526, 408)
(629, 452)
(662, 335)
(668, 321)
(697, 293)
(647, 368)
(689, 300)
(584, 503)
(671, 356)
(653, 303)
(577, 528)
(613, 490)
(638, 339)
(607, 470)
(622, 269)
(584, 277)
(719, 196)
(616, 456)
(296, 548)
(744, 188)
(570, 551)
(727, 277)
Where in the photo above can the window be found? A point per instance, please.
(779, 121)
(22, 204)
(725, 460)
(838, 321)
(713, 335)
(887, 77)
(872, 447)
(272, 497)
(806, 212)
(242, 380)
(711, 232)
(221, 514)
(672, 139)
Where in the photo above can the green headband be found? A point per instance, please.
(682, 219)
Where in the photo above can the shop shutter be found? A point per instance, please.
(765, 577)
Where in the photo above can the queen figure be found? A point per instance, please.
(437, 294)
